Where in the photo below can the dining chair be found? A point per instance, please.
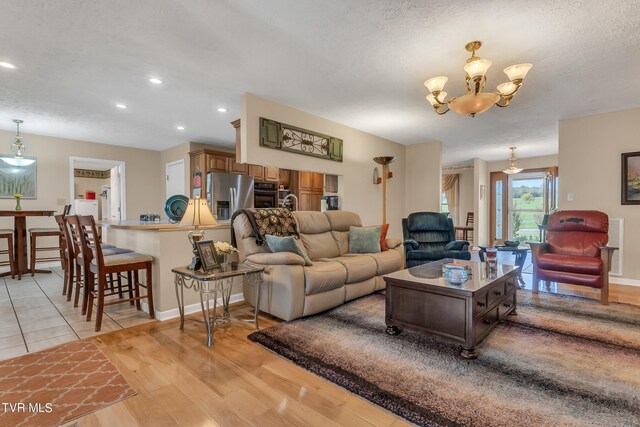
(101, 267)
(8, 236)
(66, 256)
(35, 233)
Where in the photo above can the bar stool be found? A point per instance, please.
(8, 235)
(66, 254)
(82, 260)
(34, 233)
(103, 266)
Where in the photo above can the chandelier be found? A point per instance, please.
(476, 101)
(512, 169)
(18, 148)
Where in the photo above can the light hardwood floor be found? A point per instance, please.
(181, 382)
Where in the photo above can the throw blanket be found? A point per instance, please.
(274, 221)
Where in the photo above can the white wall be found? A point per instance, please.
(590, 168)
(359, 194)
(424, 177)
(53, 169)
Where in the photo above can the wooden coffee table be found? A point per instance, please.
(420, 299)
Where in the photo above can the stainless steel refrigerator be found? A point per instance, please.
(228, 192)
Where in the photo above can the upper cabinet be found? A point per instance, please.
(216, 162)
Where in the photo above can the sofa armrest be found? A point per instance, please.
(457, 245)
(536, 250)
(393, 242)
(411, 245)
(278, 258)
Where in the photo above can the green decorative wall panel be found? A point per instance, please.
(281, 136)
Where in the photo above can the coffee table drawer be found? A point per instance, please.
(480, 304)
(486, 322)
(506, 305)
(496, 293)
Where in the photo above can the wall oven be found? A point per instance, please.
(265, 195)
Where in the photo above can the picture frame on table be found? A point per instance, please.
(207, 254)
(631, 178)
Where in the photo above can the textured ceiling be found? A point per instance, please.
(361, 63)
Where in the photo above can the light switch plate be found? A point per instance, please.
(570, 197)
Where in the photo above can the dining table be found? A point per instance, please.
(20, 237)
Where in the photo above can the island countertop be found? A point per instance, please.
(134, 224)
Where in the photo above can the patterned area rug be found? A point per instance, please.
(561, 361)
(54, 386)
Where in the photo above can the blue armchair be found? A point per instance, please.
(430, 236)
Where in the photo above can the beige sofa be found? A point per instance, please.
(291, 290)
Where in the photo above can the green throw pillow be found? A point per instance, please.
(286, 244)
(364, 240)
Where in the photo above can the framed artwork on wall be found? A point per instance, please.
(16, 178)
(631, 178)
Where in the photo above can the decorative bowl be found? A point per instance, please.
(176, 206)
(455, 276)
(511, 244)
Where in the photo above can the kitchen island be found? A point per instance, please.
(170, 248)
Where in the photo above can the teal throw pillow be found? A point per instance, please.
(286, 244)
(364, 240)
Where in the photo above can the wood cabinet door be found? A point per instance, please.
(318, 181)
(305, 180)
(257, 172)
(331, 183)
(239, 168)
(285, 177)
(216, 163)
(271, 173)
(310, 200)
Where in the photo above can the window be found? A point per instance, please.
(444, 205)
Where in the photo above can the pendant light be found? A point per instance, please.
(512, 169)
(19, 148)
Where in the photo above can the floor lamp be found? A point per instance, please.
(385, 161)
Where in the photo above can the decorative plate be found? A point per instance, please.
(176, 206)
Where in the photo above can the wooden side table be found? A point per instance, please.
(208, 284)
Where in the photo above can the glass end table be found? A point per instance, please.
(208, 284)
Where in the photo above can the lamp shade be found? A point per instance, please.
(440, 100)
(477, 68)
(197, 214)
(507, 88)
(518, 71)
(436, 84)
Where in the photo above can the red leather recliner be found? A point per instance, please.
(576, 251)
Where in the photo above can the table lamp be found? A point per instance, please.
(196, 215)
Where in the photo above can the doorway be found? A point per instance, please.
(519, 203)
(97, 187)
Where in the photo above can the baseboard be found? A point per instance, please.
(188, 309)
(624, 281)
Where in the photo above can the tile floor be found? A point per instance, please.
(34, 315)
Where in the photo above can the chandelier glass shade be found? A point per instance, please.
(512, 169)
(476, 101)
(18, 148)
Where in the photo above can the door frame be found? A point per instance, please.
(506, 222)
(109, 164)
(173, 163)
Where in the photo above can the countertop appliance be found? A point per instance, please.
(228, 192)
(265, 195)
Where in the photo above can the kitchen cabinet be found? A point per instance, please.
(285, 177)
(309, 200)
(257, 172)
(271, 173)
(216, 163)
(308, 186)
(235, 167)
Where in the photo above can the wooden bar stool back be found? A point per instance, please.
(102, 266)
(8, 236)
(34, 234)
(67, 257)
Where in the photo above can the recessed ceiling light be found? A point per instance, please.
(7, 65)
(121, 106)
(155, 80)
(180, 127)
(222, 110)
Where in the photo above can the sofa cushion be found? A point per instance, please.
(364, 240)
(359, 267)
(387, 262)
(287, 244)
(324, 276)
(342, 240)
(321, 245)
(310, 222)
(342, 220)
(383, 237)
(570, 263)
